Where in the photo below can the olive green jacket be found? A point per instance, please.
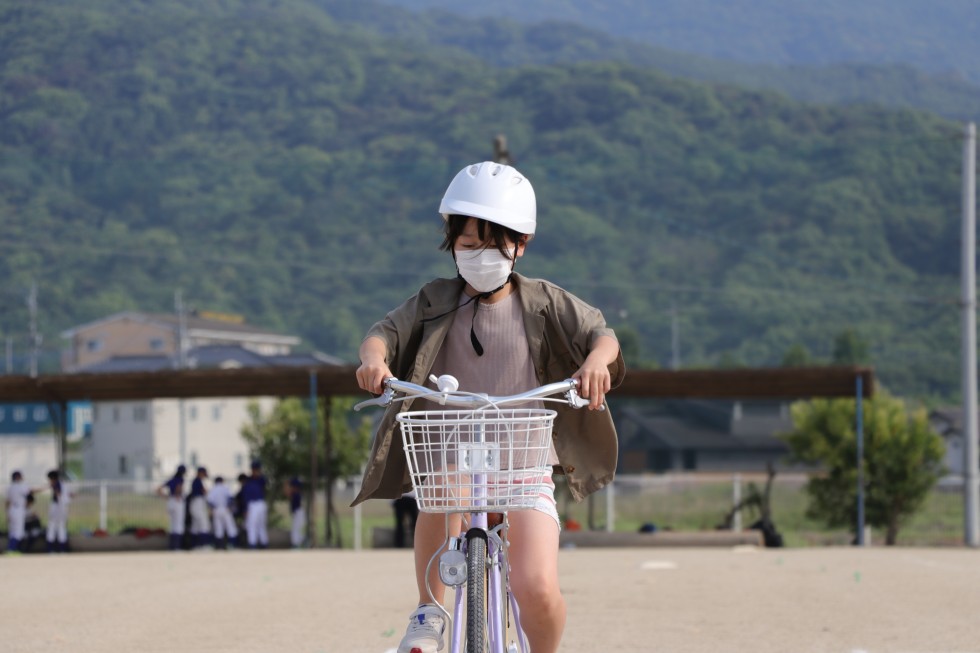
(560, 332)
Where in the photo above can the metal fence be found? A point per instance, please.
(701, 502)
(678, 502)
(107, 505)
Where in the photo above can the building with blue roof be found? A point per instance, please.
(143, 440)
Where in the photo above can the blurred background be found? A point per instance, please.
(252, 183)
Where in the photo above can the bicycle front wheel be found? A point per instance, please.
(476, 593)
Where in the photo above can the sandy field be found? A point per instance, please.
(840, 600)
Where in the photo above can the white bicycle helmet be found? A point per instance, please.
(495, 192)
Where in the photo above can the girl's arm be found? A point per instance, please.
(373, 370)
(593, 376)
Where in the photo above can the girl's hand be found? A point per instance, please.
(371, 376)
(593, 377)
(373, 370)
(593, 382)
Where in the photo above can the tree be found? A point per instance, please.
(281, 440)
(730, 361)
(902, 460)
(629, 344)
(850, 348)
(797, 356)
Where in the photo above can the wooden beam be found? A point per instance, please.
(764, 383)
(332, 380)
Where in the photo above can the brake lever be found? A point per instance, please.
(577, 401)
(384, 399)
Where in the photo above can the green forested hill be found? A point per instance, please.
(931, 35)
(504, 42)
(272, 162)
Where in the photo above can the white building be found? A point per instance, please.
(145, 440)
(948, 422)
(142, 439)
(27, 441)
(32, 455)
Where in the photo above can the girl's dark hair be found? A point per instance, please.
(498, 234)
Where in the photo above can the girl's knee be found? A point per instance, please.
(537, 589)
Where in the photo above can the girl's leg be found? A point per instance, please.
(533, 557)
(430, 535)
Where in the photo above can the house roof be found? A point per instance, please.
(149, 363)
(660, 429)
(950, 419)
(209, 357)
(195, 323)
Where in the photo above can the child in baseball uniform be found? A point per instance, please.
(173, 490)
(16, 504)
(198, 506)
(256, 511)
(58, 513)
(219, 498)
(296, 512)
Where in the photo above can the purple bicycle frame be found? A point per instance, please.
(496, 589)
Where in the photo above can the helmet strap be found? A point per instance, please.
(477, 346)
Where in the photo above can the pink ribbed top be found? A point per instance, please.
(506, 367)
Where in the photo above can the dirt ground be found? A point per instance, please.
(739, 600)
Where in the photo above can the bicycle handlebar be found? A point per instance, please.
(449, 395)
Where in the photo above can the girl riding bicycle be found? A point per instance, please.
(498, 333)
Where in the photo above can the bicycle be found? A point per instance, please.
(485, 459)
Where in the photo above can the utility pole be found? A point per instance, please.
(181, 330)
(35, 343)
(675, 340)
(10, 355)
(181, 364)
(314, 432)
(968, 283)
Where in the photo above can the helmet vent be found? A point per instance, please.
(473, 170)
(496, 170)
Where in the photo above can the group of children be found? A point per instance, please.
(20, 499)
(196, 511)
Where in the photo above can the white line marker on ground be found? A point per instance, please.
(658, 565)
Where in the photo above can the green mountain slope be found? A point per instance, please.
(938, 36)
(504, 42)
(272, 162)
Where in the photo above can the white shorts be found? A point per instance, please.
(546, 502)
(544, 487)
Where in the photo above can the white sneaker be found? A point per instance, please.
(425, 629)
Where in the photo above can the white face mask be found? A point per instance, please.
(485, 269)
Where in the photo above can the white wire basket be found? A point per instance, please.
(487, 460)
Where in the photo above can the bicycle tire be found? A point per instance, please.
(476, 593)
